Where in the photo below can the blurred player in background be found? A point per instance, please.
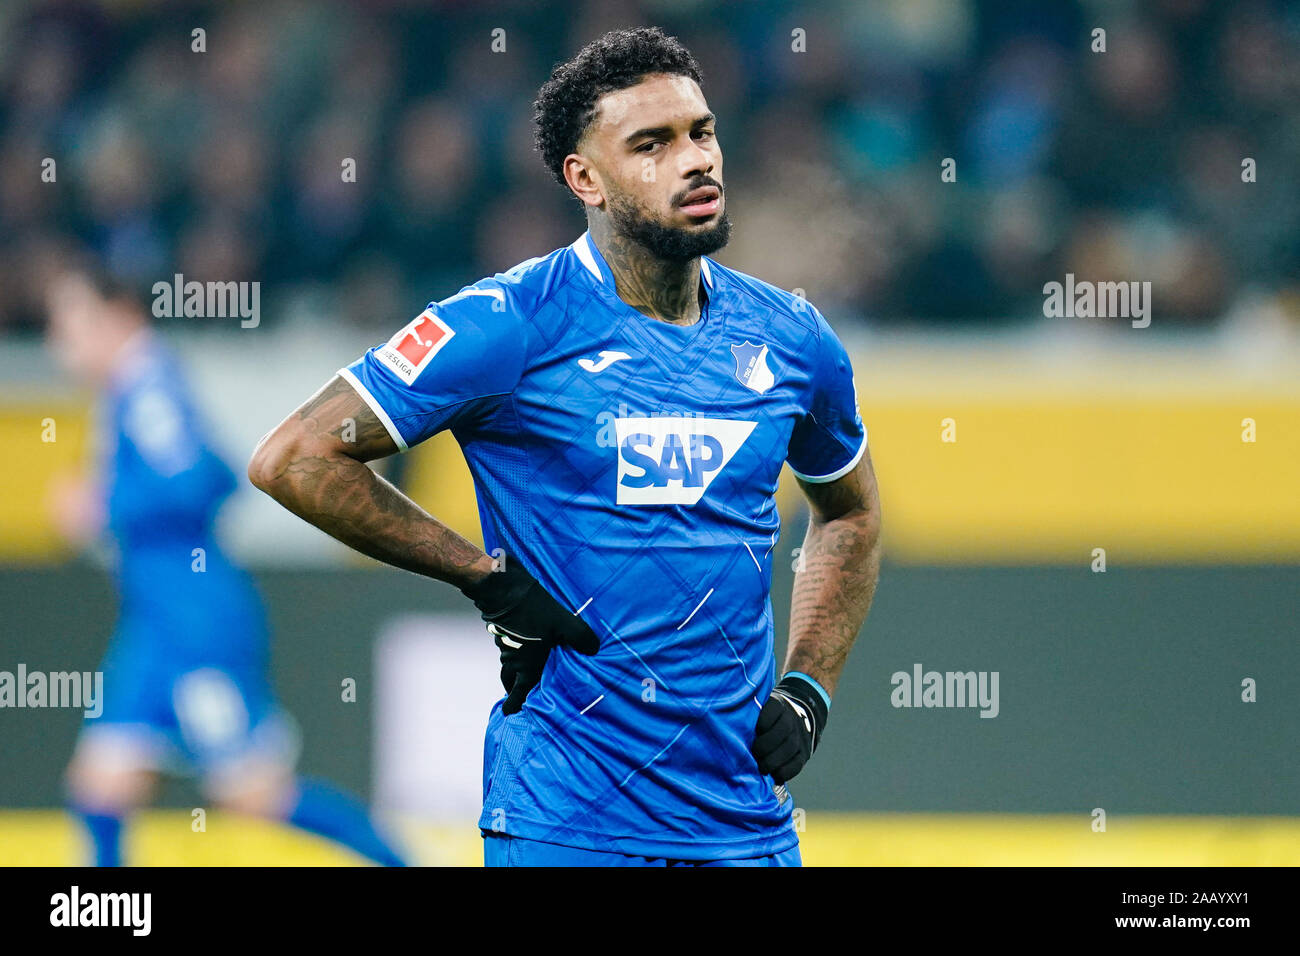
(185, 682)
(625, 406)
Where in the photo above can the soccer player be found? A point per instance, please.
(625, 405)
(185, 685)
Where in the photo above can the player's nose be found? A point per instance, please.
(696, 161)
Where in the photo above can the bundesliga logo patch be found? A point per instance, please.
(409, 351)
(752, 369)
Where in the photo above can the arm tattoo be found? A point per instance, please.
(837, 578)
(317, 469)
(336, 410)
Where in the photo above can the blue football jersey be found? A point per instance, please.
(164, 483)
(630, 465)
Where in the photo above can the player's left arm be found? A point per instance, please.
(839, 564)
(839, 567)
(833, 587)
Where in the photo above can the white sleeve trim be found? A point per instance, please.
(375, 407)
(837, 473)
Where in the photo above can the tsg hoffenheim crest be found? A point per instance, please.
(751, 366)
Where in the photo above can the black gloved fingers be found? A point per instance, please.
(786, 732)
(789, 770)
(583, 639)
(774, 750)
(525, 622)
(512, 599)
(523, 683)
(562, 626)
(786, 750)
(779, 736)
(775, 723)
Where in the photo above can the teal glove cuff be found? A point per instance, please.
(826, 698)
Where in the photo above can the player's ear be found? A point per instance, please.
(583, 180)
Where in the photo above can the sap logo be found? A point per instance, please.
(667, 460)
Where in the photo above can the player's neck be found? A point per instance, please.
(662, 289)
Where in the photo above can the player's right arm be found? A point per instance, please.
(314, 463)
(450, 366)
(454, 365)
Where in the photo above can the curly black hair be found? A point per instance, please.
(566, 102)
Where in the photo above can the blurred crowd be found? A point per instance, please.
(835, 119)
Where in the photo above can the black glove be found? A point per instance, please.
(789, 728)
(526, 622)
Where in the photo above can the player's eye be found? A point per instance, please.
(647, 147)
(704, 134)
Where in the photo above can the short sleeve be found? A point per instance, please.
(829, 440)
(447, 367)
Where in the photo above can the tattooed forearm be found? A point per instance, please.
(839, 567)
(337, 413)
(347, 500)
(314, 465)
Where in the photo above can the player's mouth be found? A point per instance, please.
(704, 201)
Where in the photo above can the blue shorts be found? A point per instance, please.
(499, 849)
(178, 713)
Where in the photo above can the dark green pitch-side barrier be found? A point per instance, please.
(1120, 690)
